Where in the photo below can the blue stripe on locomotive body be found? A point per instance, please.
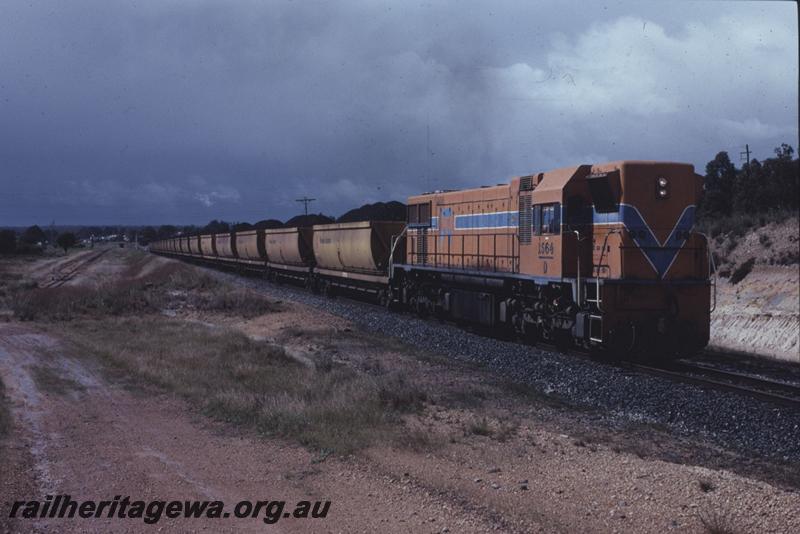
(483, 221)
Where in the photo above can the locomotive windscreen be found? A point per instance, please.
(603, 196)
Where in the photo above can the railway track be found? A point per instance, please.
(754, 386)
(67, 271)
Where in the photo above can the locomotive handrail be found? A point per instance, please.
(452, 252)
(578, 255)
(712, 272)
(599, 263)
(395, 240)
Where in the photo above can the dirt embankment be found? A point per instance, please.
(100, 408)
(758, 293)
(760, 314)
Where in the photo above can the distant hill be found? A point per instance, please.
(242, 227)
(380, 211)
(268, 223)
(308, 220)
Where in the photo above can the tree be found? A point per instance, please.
(719, 182)
(8, 241)
(34, 236)
(784, 152)
(749, 189)
(166, 231)
(66, 241)
(148, 235)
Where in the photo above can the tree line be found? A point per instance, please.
(757, 187)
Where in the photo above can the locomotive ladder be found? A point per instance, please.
(596, 320)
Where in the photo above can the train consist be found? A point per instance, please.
(599, 256)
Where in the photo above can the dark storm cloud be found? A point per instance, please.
(150, 112)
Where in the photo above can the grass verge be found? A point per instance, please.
(170, 286)
(253, 383)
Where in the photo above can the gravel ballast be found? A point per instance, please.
(727, 420)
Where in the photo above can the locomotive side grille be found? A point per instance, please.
(422, 246)
(525, 220)
(526, 183)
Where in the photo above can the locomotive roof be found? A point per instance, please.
(550, 184)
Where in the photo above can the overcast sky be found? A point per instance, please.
(151, 112)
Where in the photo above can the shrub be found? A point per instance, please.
(742, 271)
(8, 241)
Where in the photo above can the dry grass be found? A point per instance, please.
(717, 523)
(120, 324)
(5, 413)
(236, 379)
(170, 286)
(51, 380)
(479, 427)
(11, 284)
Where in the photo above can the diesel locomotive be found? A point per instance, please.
(599, 256)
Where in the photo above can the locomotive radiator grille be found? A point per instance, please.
(525, 220)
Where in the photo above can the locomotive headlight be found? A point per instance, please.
(662, 187)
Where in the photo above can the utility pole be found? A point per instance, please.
(428, 155)
(305, 201)
(746, 157)
(746, 154)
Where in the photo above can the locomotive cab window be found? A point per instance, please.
(547, 219)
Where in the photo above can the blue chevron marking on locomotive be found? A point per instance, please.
(661, 256)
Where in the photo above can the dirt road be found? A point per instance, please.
(94, 441)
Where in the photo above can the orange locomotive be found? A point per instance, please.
(597, 255)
